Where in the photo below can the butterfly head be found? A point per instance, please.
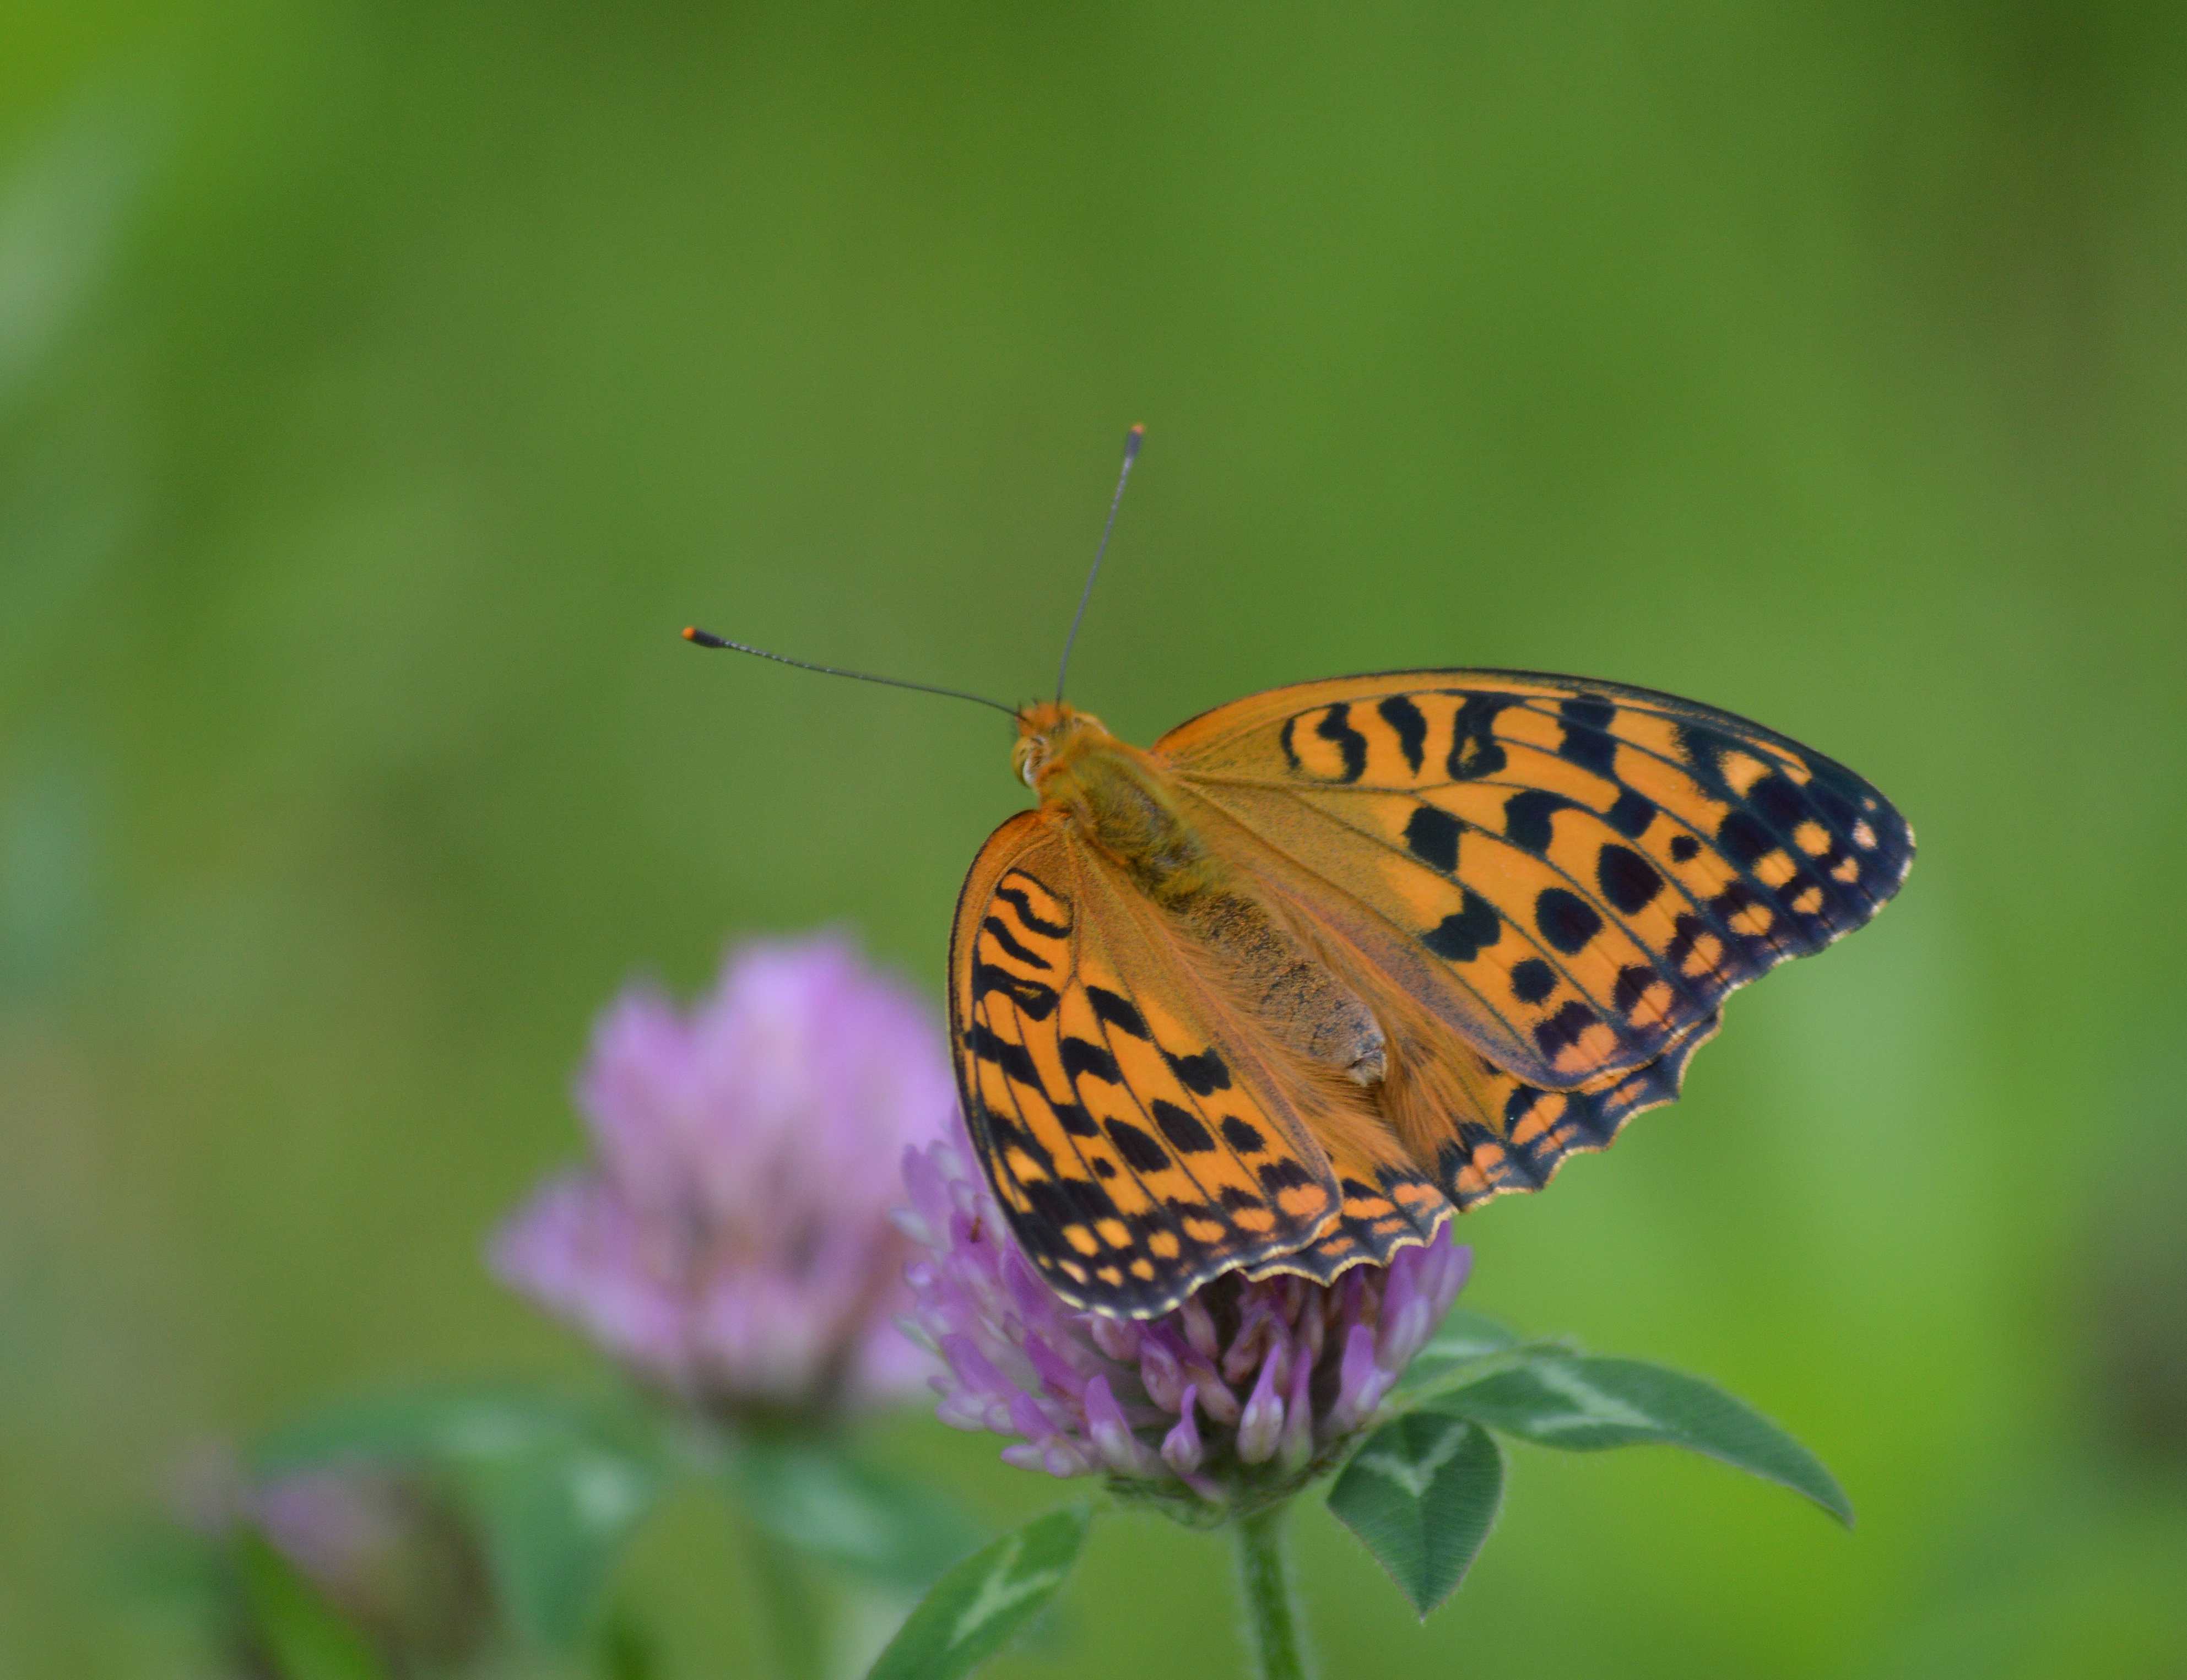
(1051, 735)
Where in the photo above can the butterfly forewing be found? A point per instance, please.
(1570, 874)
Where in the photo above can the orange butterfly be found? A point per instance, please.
(1330, 961)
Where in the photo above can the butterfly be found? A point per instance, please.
(1328, 964)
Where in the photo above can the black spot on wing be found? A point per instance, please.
(1462, 937)
(1013, 1059)
(1432, 836)
(1632, 814)
(1183, 1128)
(1736, 897)
(1242, 1136)
(1031, 997)
(1008, 1133)
(1703, 748)
(1532, 980)
(1632, 983)
(1561, 1031)
(1526, 818)
(1140, 1152)
(1475, 751)
(1012, 946)
(1567, 920)
(1684, 848)
(1284, 1174)
(1627, 879)
(1335, 726)
(1075, 1121)
(1587, 741)
(1081, 1056)
(1741, 839)
(1112, 1009)
(1408, 723)
(1068, 1201)
(1203, 1074)
(1016, 899)
(1685, 934)
(1781, 804)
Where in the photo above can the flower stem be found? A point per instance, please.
(1275, 1634)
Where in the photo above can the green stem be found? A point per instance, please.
(1275, 1634)
(788, 1610)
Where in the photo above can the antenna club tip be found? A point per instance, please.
(705, 639)
(690, 632)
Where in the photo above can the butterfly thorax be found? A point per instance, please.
(1119, 799)
(1126, 804)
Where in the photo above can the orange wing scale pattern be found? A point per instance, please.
(1139, 1145)
(1595, 866)
(1539, 889)
(1598, 866)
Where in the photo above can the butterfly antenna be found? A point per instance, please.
(707, 639)
(1132, 439)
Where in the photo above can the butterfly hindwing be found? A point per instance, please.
(1507, 1135)
(1141, 1136)
(1570, 874)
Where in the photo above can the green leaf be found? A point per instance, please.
(1462, 1338)
(554, 1520)
(1422, 1494)
(973, 1611)
(554, 1484)
(815, 1497)
(307, 1638)
(447, 1423)
(626, 1650)
(1583, 1404)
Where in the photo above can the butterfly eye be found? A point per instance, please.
(1029, 754)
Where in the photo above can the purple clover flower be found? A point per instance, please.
(731, 1241)
(1230, 1402)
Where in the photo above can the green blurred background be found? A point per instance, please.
(382, 388)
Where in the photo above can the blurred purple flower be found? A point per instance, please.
(731, 1241)
(378, 1542)
(1235, 1399)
